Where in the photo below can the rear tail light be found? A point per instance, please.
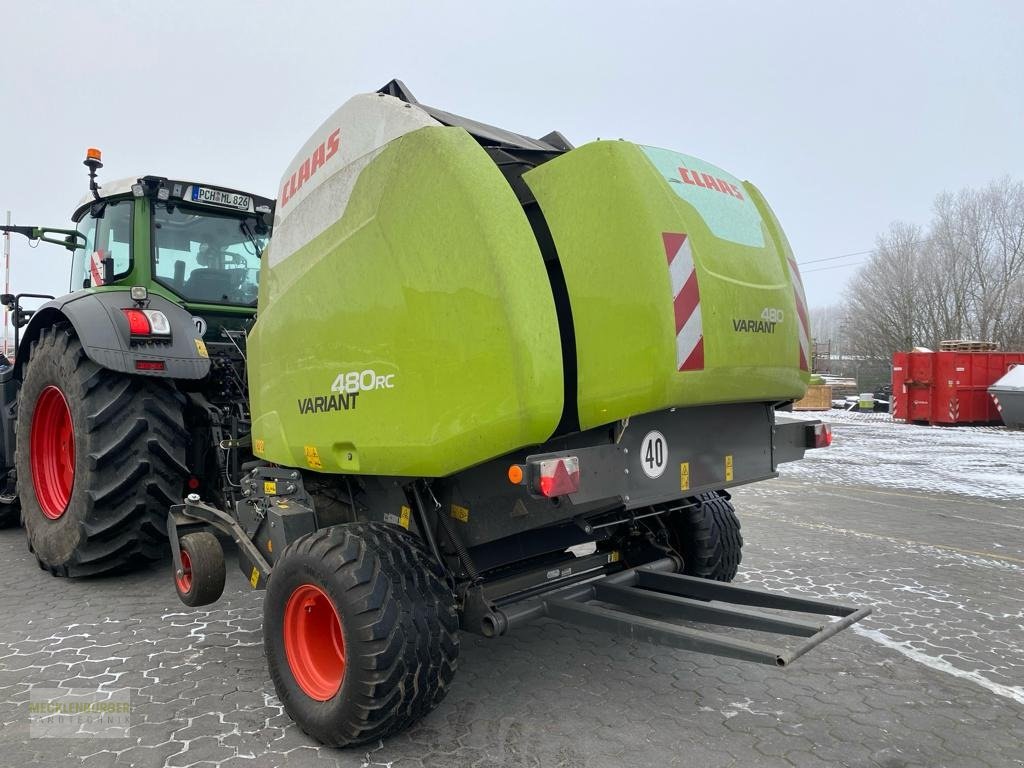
(149, 365)
(147, 322)
(557, 477)
(138, 323)
(820, 436)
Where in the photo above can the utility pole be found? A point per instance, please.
(7, 277)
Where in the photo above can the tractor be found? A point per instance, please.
(120, 391)
(453, 378)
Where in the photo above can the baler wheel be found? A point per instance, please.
(202, 575)
(100, 457)
(708, 537)
(360, 631)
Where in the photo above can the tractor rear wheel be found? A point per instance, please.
(360, 632)
(708, 537)
(100, 457)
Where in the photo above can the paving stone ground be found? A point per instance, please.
(934, 678)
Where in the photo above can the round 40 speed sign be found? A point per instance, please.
(654, 454)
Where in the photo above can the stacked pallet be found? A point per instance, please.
(818, 398)
(966, 345)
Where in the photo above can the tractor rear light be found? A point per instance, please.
(158, 322)
(557, 477)
(147, 322)
(820, 436)
(138, 323)
(149, 365)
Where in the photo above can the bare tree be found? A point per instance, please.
(882, 298)
(963, 277)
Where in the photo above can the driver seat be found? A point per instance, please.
(211, 284)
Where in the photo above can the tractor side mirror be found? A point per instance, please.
(7, 300)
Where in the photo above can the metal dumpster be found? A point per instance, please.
(948, 387)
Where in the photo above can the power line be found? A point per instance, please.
(854, 253)
(834, 266)
(834, 258)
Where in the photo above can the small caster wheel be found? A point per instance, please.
(201, 578)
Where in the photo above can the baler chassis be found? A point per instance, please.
(642, 603)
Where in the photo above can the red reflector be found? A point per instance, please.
(138, 323)
(193, 483)
(149, 365)
(822, 436)
(557, 477)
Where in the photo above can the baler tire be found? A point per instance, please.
(360, 632)
(103, 504)
(204, 571)
(709, 538)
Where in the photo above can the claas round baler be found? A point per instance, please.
(493, 378)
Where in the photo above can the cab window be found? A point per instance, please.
(80, 261)
(107, 235)
(206, 256)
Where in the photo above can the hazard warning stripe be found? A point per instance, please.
(804, 325)
(685, 302)
(96, 268)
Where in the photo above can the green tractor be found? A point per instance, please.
(483, 378)
(115, 397)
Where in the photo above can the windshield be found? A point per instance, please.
(204, 256)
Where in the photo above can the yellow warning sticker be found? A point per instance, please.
(254, 578)
(728, 468)
(270, 487)
(201, 348)
(313, 457)
(684, 476)
(614, 556)
(403, 518)
(258, 445)
(460, 513)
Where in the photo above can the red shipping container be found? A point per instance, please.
(948, 387)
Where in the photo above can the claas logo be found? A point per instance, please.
(324, 152)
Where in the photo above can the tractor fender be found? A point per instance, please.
(102, 327)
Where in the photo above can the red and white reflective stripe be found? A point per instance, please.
(96, 268)
(685, 302)
(804, 325)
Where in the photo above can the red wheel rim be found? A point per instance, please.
(52, 452)
(184, 581)
(313, 642)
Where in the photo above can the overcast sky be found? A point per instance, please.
(846, 115)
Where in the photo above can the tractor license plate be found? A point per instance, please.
(220, 197)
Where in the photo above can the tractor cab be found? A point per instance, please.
(195, 244)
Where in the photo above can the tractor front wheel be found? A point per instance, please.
(100, 457)
(360, 632)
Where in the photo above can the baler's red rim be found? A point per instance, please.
(313, 642)
(52, 452)
(184, 581)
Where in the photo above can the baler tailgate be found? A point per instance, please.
(608, 604)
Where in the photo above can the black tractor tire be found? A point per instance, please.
(370, 595)
(708, 537)
(100, 505)
(202, 576)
